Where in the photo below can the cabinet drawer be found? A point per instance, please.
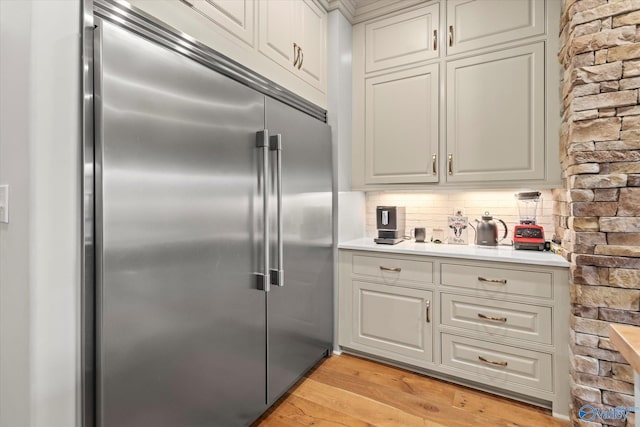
(393, 319)
(498, 280)
(497, 318)
(497, 364)
(393, 270)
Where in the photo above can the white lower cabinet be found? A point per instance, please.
(498, 326)
(497, 365)
(393, 321)
(504, 320)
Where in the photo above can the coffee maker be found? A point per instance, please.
(390, 221)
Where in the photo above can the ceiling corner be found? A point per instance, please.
(346, 7)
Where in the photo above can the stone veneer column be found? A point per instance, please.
(598, 211)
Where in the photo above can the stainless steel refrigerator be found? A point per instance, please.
(213, 240)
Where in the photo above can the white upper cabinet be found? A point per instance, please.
(474, 24)
(235, 16)
(282, 40)
(495, 116)
(293, 34)
(313, 49)
(401, 140)
(402, 39)
(476, 108)
(278, 29)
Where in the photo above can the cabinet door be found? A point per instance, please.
(278, 28)
(313, 43)
(495, 116)
(235, 16)
(401, 126)
(402, 39)
(474, 24)
(394, 320)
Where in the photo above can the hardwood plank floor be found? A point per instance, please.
(354, 392)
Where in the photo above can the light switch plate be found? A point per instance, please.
(4, 204)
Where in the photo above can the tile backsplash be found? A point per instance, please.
(430, 210)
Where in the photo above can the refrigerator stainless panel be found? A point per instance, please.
(88, 272)
(300, 313)
(181, 335)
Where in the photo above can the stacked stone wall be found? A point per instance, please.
(597, 213)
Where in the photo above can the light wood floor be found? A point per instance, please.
(353, 392)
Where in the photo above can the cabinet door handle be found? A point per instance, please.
(277, 274)
(435, 39)
(497, 281)
(263, 281)
(496, 319)
(394, 269)
(450, 163)
(301, 59)
(434, 164)
(450, 35)
(492, 362)
(296, 54)
(427, 305)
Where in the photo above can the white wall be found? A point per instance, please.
(15, 40)
(40, 159)
(348, 206)
(430, 210)
(350, 213)
(339, 47)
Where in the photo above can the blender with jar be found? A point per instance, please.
(527, 234)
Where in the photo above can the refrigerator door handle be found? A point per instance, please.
(277, 275)
(262, 143)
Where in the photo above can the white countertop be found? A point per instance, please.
(500, 253)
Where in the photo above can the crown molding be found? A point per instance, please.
(379, 8)
(357, 12)
(346, 7)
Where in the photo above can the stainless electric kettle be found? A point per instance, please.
(487, 231)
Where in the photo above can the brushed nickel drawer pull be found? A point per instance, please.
(491, 362)
(497, 281)
(394, 269)
(427, 304)
(497, 319)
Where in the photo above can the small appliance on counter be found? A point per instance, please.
(528, 235)
(487, 231)
(390, 221)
